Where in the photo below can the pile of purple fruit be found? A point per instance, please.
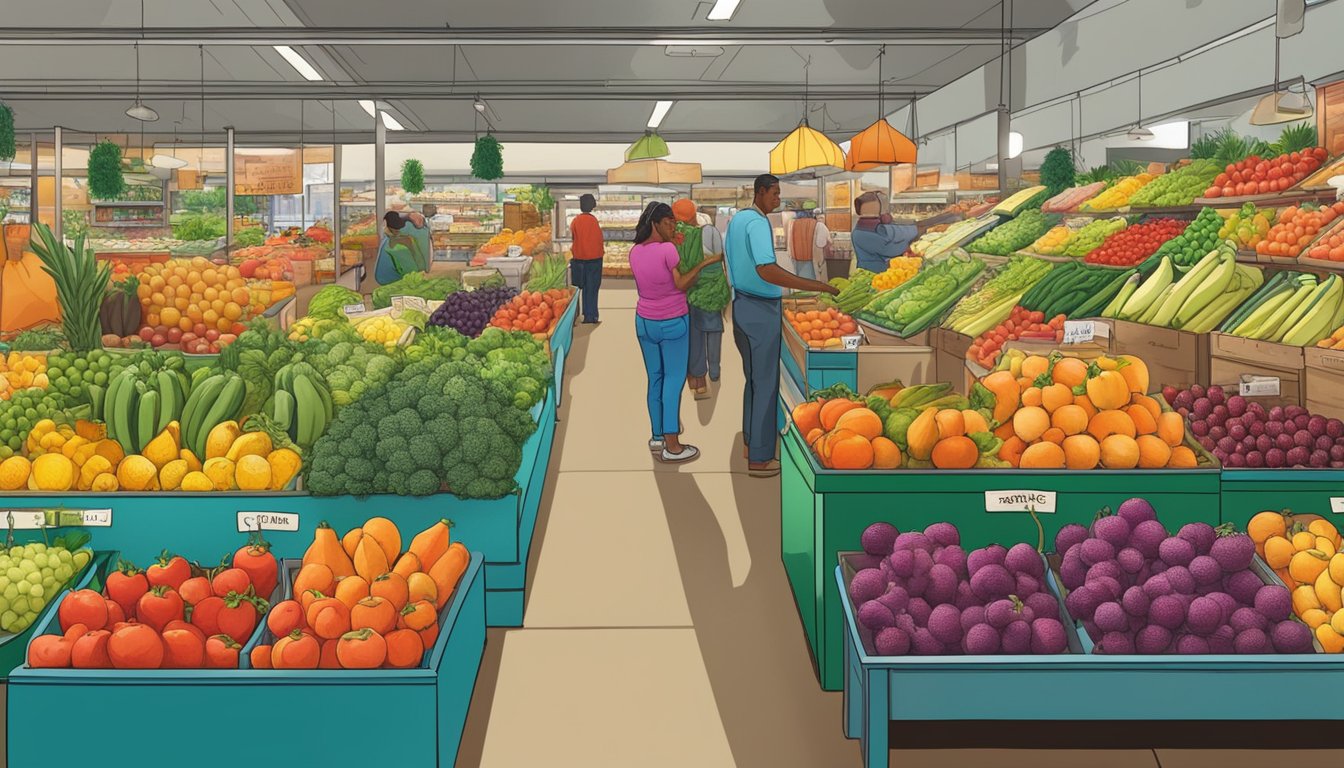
(1244, 433)
(1138, 589)
(922, 594)
(468, 312)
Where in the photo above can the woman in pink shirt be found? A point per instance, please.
(662, 324)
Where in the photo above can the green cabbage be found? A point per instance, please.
(327, 303)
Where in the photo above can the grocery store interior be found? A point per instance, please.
(342, 350)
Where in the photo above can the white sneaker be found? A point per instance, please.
(656, 446)
(688, 452)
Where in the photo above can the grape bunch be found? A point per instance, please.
(21, 412)
(69, 373)
(468, 312)
(30, 576)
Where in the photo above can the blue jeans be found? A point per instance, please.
(666, 348)
(756, 329)
(706, 342)
(806, 269)
(586, 275)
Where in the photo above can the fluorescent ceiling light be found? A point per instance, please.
(659, 112)
(298, 62)
(391, 124)
(1014, 144)
(723, 10)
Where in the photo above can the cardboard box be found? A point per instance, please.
(1323, 383)
(950, 362)
(880, 337)
(1232, 358)
(908, 364)
(1174, 358)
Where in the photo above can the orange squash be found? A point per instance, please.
(1108, 390)
(950, 423)
(886, 454)
(1004, 388)
(370, 559)
(860, 421)
(351, 540)
(448, 570)
(975, 421)
(956, 452)
(1135, 373)
(1119, 452)
(922, 434)
(315, 576)
(1171, 428)
(385, 532)
(850, 450)
(326, 549)
(832, 410)
(1069, 371)
(807, 416)
(1153, 453)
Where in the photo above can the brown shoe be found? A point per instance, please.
(766, 469)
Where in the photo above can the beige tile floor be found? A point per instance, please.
(660, 631)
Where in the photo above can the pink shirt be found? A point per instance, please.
(652, 264)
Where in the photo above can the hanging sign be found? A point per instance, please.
(267, 521)
(1020, 501)
(274, 173)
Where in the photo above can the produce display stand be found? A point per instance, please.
(823, 512)
(500, 529)
(405, 716)
(1246, 492)
(880, 689)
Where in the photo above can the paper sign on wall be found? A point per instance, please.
(25, 519)
(267, 521)
(1020, 501)
(1262, 386)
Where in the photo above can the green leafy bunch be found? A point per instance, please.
(1057, 170)
(487, 159)
(6, 132)
(412, 176)
(105, 179)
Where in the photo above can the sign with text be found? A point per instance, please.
(267, 521)
(1259, 386)
(1020, 501)
(1079, 331)
(277, 172)
(1337, 505)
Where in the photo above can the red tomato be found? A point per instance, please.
(169, 571)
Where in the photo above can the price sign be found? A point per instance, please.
(96, 518)
(851, 342)
(353, 309)
(1020, 501)
(25, 519)
(1337, 505)
(1259, 386)
(267, 521)
(1079, 331)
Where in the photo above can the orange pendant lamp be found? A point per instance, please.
(879, 144)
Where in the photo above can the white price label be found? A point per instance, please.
(1259, 386)
(1079, 331)
(267, 521)
(1020, 501)
(97, 518)
(25, 519)
(851, 342)
(353, 309)
(1337, 505)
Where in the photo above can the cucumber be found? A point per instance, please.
(1103, 296)
(1256, 299)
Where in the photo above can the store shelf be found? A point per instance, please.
(128, 204)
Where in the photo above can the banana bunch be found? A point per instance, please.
(215, 400)
(140, 402)
(301, 404)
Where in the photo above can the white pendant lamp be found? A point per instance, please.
(138, 110)
(1138, 132)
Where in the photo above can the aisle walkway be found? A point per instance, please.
(660, 630)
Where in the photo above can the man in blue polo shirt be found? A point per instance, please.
(749, 251)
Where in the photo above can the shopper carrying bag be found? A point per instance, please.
(402, 252)
(662, 325)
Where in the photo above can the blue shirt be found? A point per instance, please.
(874, 248)
(750, 244)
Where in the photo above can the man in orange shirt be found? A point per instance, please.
(586, 250)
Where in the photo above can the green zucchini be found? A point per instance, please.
(1100, 298)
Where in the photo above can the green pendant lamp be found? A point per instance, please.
(650, 146)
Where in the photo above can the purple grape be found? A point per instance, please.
(1273, 429)
(1216, 395)
(943, 534)
(1206, 571)
(1324, 443)
(1199, 428)
(1217, 432)
(1274, 602)
(1291, 637)
(1191, 645)
(1316, 426)
(982, 640)
(1237, 432)
(879, 538)
(1204, 616)
(876, 616)
(912, 540)
(1152, 640)
(1221, 640)
(942, 585)
(1113, 530)
(1048, 637)
(992, 582)
(1107, 587)
(1337, 452)
(1202, 409)
(1236, 460)
(972, 616)
(1251, 640)
(1105, 570)
(1167, 611)
(1135, 602)
(1236, 405)
(1001, 613)
(1026, 586)
(1115, 644)
(1304, 439)
(1255, 459)
(1334, 428)
(1247, 618)
(1015, 639)
(1024, 559)
(1276, 413)
(1284, 442)
(1073, 534)
(1264, 443)
(1276, 458)
(1110, 617)
(1297, 457)
(1095, 551)
(1301, 420)
(965, 597)
(1183, 400)
(1072, 571)
(991, 555)
(1319, 459)
(1181, 580)
(1256, 429)
(1156, 587)
(1082, 602)
(1243, 586)
(953, 557)
(902, 563)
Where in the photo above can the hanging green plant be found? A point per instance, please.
(487, 160)
(412, 177)
(6, 132)
(1058, 171)
(105, 179)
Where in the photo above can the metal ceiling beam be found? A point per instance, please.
(499, 90)
(400, 36)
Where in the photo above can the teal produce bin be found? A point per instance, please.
(880, 689)
(809, 370)
(823, 512)
(14, 647)
(206, 525)
(410, 717)
(1304, 491)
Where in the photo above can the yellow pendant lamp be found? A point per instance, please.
(879, 144)
(805, 148)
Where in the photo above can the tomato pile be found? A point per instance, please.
(1257, 176)
(1022, 323)
(172, 615)
(532, 311)
(1135, 244)
(1296, 228)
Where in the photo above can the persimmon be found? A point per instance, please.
(296, 650)
(351, 590)
(135, 646)
(374, 613)
(182, 649)
(285, 617)
(221, 652)
(405, 649)
(393, 588)
(361, 649)
(90, 651)
(329, 618)
(260, 657)
(83, 606)
(328, 659)
(417, 615)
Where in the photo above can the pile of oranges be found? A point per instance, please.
(532, 311)
(1296, 228)
(179, 293)
(821, 328)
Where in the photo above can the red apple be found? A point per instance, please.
(147, 333)
(158, 340)
(199, 329)
(174, 335)
(212, 334)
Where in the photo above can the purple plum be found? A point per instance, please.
(1069, 536)
(1176, 551)
(943, 534)
(892, 641)
(879, 538)
(945, 624)
(1274, 602)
